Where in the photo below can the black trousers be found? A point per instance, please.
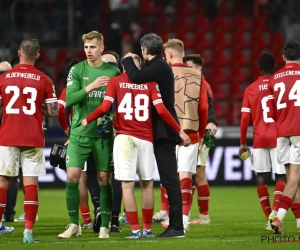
(165, 155)
(12, 193)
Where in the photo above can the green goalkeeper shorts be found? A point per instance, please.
(80, 147)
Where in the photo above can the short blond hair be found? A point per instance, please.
(91, 35)
(174, 44)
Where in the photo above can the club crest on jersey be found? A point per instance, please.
(67, 159)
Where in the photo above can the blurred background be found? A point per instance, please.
(229, 34)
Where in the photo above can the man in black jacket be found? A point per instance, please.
(165, 139)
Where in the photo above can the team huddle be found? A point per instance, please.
(273, 102)
(125, 122)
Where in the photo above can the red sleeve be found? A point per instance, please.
(50, 95)
(106, 104)
(246, 111)
(62, 116)
(161, 109)
(203, 108)
(271, 102)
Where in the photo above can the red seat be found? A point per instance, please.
(255, 54)
(45, 58)
(240, 40)
(221, 23)
(239, 57)
(259, 23)
(164, 36)
(277, 41)
(240, 23)
(186, 7)
(80, 54)
(145, 7)
(222, 40)
(219, 75)
(258, 40)
(221, 58)
(186, 38)
(62, 56)
(219, 92)
(236, 90)
(224, 7)
(202, 41)
(201, 24)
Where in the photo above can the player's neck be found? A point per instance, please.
(177, 60)
(26, 61)
(96, 63)
(287, 62)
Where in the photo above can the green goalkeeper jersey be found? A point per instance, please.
(80, 76)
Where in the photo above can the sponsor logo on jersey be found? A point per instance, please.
(97, 94)
(85, 78)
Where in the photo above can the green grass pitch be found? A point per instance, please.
(237, 222)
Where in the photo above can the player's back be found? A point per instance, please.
(133, 116)
(256, 94)
(23, 91)
(187, 93)
(285, 85)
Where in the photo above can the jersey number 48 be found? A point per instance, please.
(141, 111)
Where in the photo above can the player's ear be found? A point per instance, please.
(102, 48)
(283, 58)
(38, 55)
(19, 53)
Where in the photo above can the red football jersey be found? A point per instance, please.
(23, 90)
(62, 117)
(133, 101)
(255, 103)
(284, 88)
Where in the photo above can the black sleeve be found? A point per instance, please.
(147, 74)
(211, 110)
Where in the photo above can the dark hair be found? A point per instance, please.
(153, 43)
(195, 58)
(111, 52)
(267, 63)
(30, 47)
(15, 61)
(72, 62)
(291, 51)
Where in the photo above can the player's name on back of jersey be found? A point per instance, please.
(23, 75)
(263, 87)
(287, 73)
(126, 85)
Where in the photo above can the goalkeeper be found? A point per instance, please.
(86, 87)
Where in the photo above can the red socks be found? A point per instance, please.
(277, 194)
(285, 202)
(85, 213)
(263, 195)
(203, 199)
(3, 193)
(147, 218)
(31, 205)
(164, 199)
(186, 193)
(133, 220)
(296, 210)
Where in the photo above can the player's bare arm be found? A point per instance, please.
(51, 110)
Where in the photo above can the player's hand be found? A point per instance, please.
(201, 144)
(100, 82)
(84, 123)
(130, 55)
(186, 139)
(67, 131)
(212, 127)
(243, 148)
(67, 142)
